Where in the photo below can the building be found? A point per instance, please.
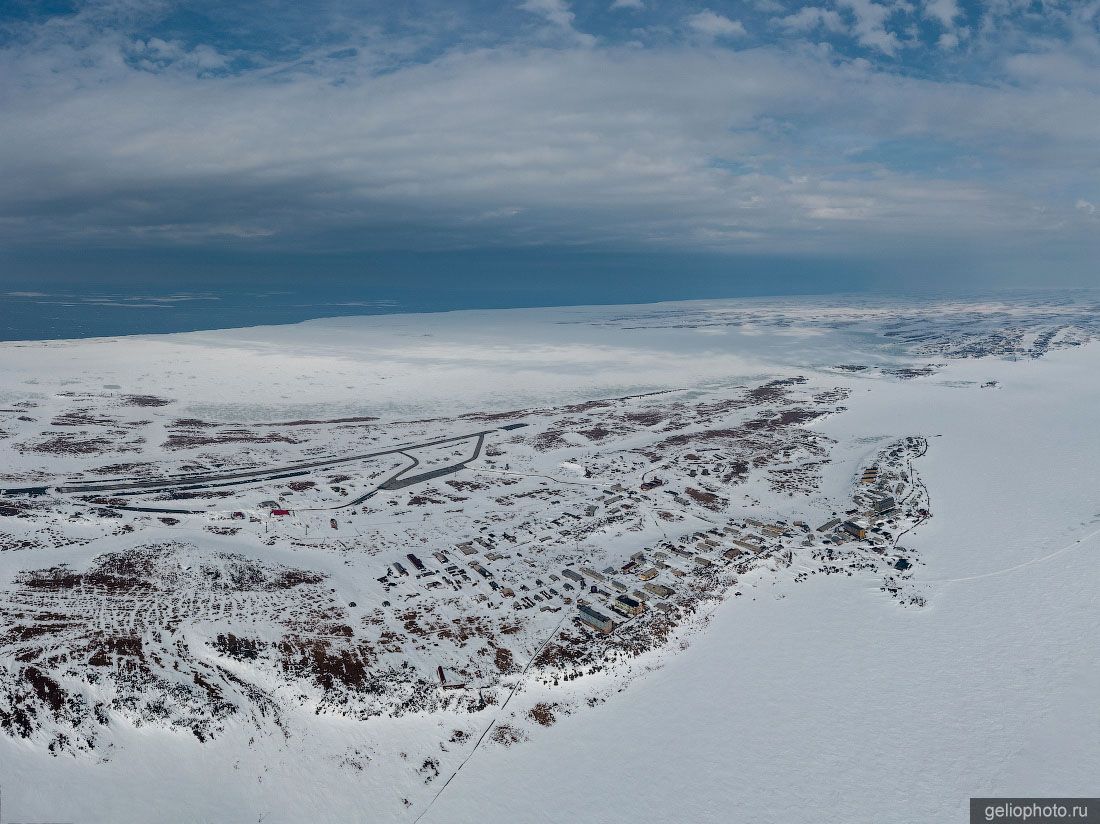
(416, 562)
(573, 576)
(648, 574)
(597, 620)
(467, 549)
(702, 562)
(591, 573)
(627, 606)
(449, 680)
(884, 504)
(855, 528)
(660, 590)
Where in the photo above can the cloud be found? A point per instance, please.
(809, 18)
(1085, 206)
(156, 53)
(710, 24)
(557, 12)
(870, 24)
(560, 15)
(945, 12)
(636, 5)
(540, 140)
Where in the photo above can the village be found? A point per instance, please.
(384, 569)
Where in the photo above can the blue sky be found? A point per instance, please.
(707, 147)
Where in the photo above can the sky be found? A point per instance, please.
(569, 150)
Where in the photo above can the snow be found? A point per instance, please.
(824, 702)
(809, 697)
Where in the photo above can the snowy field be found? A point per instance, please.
(824, 702)
(794, 674)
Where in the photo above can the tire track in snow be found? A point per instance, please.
(495, 719)
(1023, 565)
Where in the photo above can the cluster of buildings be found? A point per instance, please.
(700, 552)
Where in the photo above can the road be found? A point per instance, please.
(211, 480)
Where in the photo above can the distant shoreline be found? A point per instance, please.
(28, 315)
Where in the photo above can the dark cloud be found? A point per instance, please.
(818, 130)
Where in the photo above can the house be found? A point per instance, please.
(597, 620)
(627, 606)
(280, 512)
(573, 576)
(400, 569)
(648, 574)
(703, 562)
(884, 504)
(449, 680)
(660, 590)
(619, 585)
(591, 573)
(857, 529)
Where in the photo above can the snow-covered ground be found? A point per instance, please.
(812, 695)
(824, 702)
